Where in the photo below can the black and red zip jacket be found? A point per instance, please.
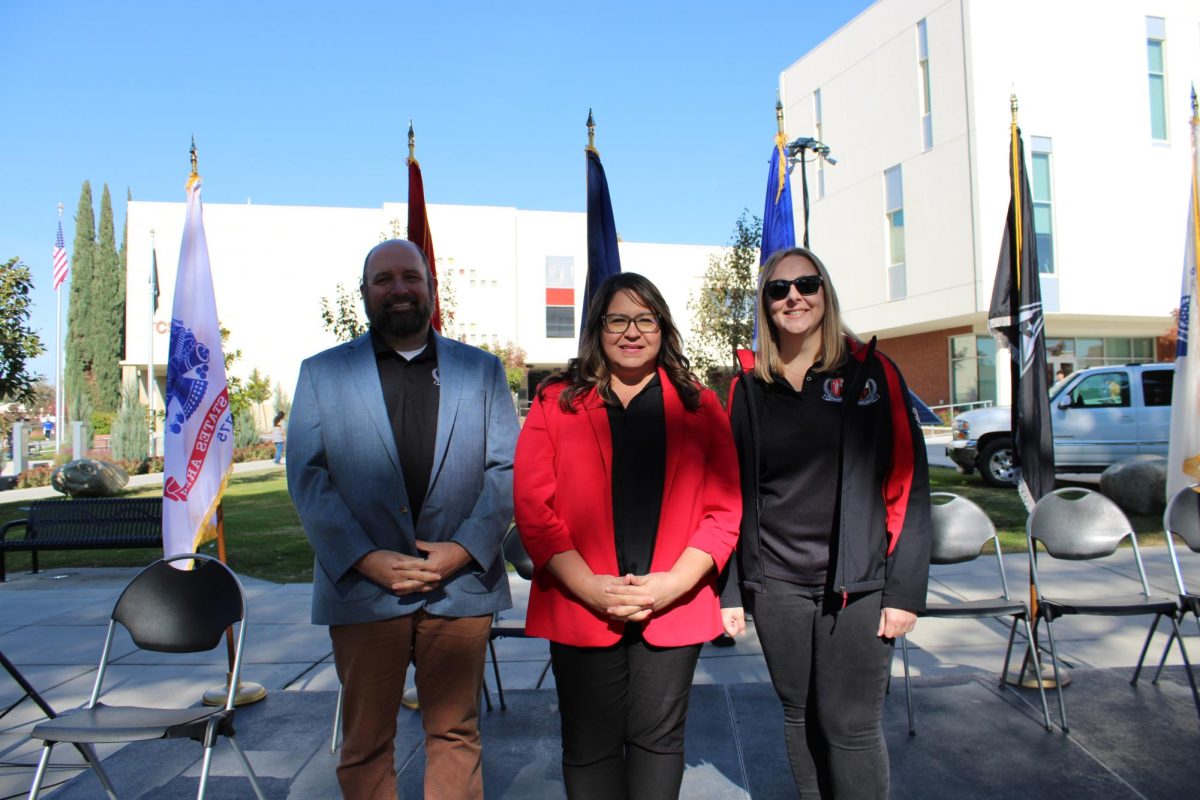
(883, 522)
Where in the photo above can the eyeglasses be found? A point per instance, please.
(619, 323)
(805, 285)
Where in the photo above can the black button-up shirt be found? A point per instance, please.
(411, 389)
(639, 469)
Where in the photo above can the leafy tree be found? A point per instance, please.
(18, 341)
(79, 339)
(723, 311)
(283, 405)
(106, 313)
(257, 390)
(131, 430)
(512, 356)
(342, 318)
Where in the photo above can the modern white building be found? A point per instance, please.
(912, 97)
(517, 276)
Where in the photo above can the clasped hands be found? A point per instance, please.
(403, 574)
(631, 598)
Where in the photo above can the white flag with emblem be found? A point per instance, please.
(198, 444)
(1183, 458)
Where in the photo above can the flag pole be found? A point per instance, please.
(58, 347)
(150, 356)
(245, 692)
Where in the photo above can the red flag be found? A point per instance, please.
(418, 230)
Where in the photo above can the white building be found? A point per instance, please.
(518, 276)
(912, 97)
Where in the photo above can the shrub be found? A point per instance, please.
(245, 428)
(30, 478)
(131, 431)
(102, 422)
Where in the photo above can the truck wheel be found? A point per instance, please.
(996, 463)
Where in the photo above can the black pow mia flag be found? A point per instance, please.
(1016, 320)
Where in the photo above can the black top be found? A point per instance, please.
(800, 439)
(639, 469)
(411, 389)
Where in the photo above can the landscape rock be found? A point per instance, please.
(1137, 484)
(85, 477)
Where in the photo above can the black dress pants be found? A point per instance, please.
(830, 671)
(623, 712)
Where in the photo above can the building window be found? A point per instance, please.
(1043, 210)
(817, 126)
(894, 210)
(1156, 40)
(923, 78)
(560, 322)
(560, 297)
(973, 368)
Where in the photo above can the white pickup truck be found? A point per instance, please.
(1099, 416)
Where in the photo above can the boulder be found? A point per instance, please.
(85, 477)
(1137, 484)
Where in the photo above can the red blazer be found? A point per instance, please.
(562, 486)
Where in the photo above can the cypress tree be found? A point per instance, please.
(79, 343)
(122, 256)
(106, 313)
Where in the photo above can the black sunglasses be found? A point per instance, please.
(805, 285)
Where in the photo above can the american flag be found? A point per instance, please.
(61, 270)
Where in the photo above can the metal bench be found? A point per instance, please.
(99, 523)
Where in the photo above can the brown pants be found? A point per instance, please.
(372, 659)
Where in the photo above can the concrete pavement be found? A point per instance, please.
(975, 739)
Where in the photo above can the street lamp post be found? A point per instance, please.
(795, 152)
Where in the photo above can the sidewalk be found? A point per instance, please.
(975, 739)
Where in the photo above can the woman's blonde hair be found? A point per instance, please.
(833, 330)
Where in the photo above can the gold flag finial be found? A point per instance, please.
(591, 126)
(1195, 109)
(195, 175)
(60, 209)
(412, 143)
(779, 115)
(1012, 103)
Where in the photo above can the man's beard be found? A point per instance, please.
(399, 323)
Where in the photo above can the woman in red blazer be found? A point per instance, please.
(627, 498)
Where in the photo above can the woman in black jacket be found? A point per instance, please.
(833, 558)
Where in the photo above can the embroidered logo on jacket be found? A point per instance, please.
(835, 387)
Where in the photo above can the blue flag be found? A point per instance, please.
(603, 259)
(779, 227)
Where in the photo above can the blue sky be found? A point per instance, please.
(306, 103)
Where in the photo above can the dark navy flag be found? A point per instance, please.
(154, 277)
(603, 259)
(1017, 322)
(779, 227)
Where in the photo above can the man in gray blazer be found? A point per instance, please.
(399, 463)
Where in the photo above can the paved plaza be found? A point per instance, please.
(974, 739)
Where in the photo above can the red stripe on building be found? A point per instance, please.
(560, 297)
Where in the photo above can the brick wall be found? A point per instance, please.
(924, 358)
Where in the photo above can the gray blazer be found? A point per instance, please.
(345, 481)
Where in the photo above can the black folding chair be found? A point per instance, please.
(961, 530)
(511, 627)
(165, 610)
(1182, 519)
(1079, 525)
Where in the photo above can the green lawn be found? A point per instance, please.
(264, 538)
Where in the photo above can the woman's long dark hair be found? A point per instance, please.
(590, 369)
